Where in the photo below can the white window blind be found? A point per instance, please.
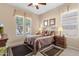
(70, 24)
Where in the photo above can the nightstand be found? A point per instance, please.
(60, 41)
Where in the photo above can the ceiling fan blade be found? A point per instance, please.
(37, 7)
(30, 4)
(42, 3)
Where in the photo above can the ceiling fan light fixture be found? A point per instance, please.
(34, 4)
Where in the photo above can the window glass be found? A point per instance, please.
(27, 25)
(19, 25)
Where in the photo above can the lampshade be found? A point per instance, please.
(60, 29)
(1, 25)
(41, 28)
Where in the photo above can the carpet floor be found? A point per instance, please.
(20, 50)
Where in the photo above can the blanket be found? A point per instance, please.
(42, 42)
(39, 41)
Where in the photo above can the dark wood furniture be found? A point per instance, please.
(60, 41)
(3, 40)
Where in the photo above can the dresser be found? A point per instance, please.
(60, 41)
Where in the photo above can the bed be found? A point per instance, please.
(38, 41)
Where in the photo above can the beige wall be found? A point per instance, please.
(56, 13)
(9, 21)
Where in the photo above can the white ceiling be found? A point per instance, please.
(42, 9)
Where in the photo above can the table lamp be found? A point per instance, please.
(60, 30)
(41, 28)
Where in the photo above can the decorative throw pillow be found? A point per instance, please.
(52, 33)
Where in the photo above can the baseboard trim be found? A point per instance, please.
(74, 48)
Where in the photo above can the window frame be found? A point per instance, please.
(24, 31)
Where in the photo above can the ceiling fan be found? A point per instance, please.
(36, 4)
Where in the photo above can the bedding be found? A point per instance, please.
(31, 38)
(42, 42)
(38, 41)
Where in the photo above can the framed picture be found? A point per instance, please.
(45, 23)
(52, 21)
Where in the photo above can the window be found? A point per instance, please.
(70, 24)
(19, 25)
(23, 25)
(28, 25)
